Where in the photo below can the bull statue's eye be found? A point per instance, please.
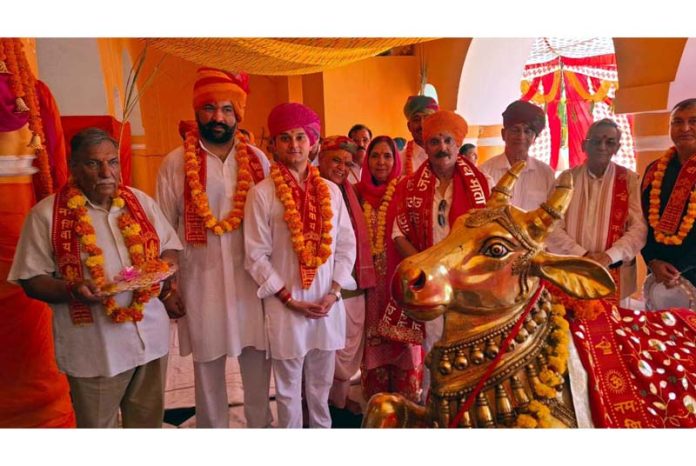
(496, 250)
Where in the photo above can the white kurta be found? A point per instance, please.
(419, 156)
(103, 348)
(532, 187)
(586, 223)
(223, 313)
(273, 263)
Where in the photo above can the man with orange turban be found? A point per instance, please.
(300, 249)
(427, 204)
(522, 123)
(416, 109)
(202, 187)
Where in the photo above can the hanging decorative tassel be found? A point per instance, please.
(21, 106)
(3, 68)
(35, 142)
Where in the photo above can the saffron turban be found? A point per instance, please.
(445, 121)
(292, 115)
(213, 85)
(335, 143)
(420, 104)
(524, 112)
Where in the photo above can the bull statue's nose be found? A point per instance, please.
(418, 282)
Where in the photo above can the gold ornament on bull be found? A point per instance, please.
(485, 278)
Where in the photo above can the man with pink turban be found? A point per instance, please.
(522, 123)
(446, 186)
(300, 250)
(201, 187)
(416, 109)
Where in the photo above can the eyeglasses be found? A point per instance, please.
(607, 142)
(441, 220)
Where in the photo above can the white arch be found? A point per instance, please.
(684, 84)
(490, 78)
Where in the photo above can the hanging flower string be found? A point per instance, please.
(305, 250)
(198, 194)
(687, 222)
(377, 242)
(130, 229)
(23, 86)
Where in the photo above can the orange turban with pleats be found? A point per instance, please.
(213, 85)
(445, 121)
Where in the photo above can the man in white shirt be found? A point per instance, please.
(300, 250)
(202, 188)
(416, 108)
(72, 244)
(522, 123)
(604, 220)
(361, 136)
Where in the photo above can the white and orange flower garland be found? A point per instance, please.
(130, 229)
(200, 198)
(687, 222)
(304, 250)
(377, 242)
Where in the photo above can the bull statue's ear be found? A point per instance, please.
(579, 277)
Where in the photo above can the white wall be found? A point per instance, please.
(72, 70)
(684, 84)
(491, 78)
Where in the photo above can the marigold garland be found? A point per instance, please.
(551, 376)
(305, 250)
(200, 198)
(538, 97)
(377, 242)
(687, 222)
(23, 86)
(130, 229)
(408, 162)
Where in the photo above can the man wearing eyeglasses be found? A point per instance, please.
(427, 203)
(522, 124)
(669, 202)
(604, 221)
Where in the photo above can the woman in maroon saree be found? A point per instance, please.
(387, 366)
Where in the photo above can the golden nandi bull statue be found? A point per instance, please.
(483, 277)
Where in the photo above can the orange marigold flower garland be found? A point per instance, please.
(200, 198)
(409, 158)
(95, 257)
(687, 222)
(23, 86)
(305, 250)
(377, 242)
(551, 376)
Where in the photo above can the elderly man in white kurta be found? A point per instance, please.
(72, 243)
(604, 220)
(201, 188)
(522, 123)
(300, 249)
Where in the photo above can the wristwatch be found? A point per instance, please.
(337, 294)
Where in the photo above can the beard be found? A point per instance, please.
(208, 132)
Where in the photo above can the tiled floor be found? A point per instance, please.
(179, 394)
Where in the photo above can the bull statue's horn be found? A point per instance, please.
(502, 192)
(540, 222)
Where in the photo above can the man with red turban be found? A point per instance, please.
(300, 250)
(522, 123)
(202, 187)
(416, 109)
(427, 204)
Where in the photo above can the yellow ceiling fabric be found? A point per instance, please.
(278, 56)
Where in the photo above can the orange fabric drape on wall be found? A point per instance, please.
(32, 391)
